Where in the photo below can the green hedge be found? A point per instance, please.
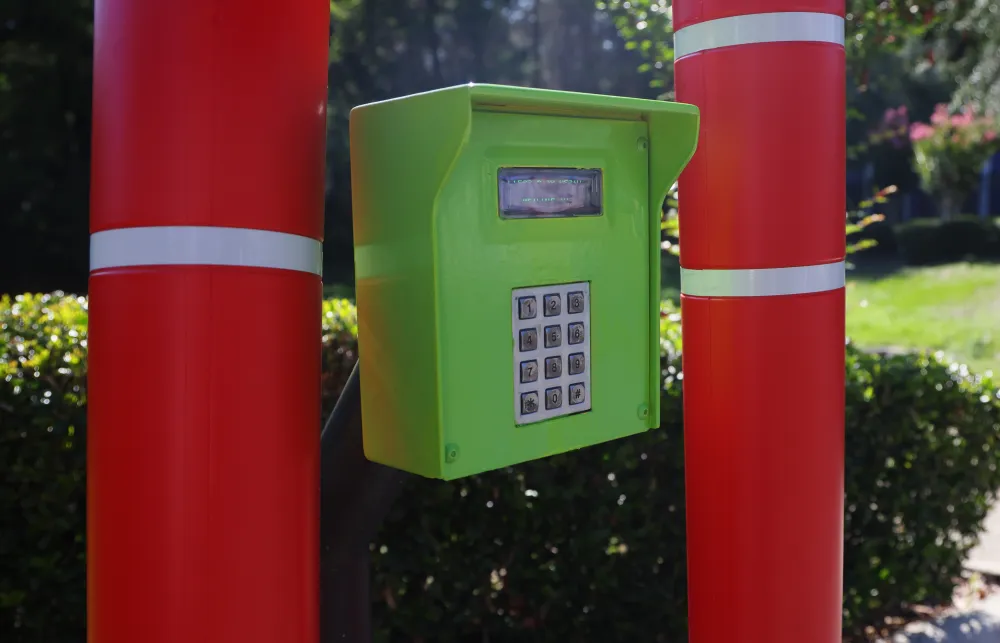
(586, 546)
(933, 241)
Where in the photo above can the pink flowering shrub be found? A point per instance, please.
(949, 153)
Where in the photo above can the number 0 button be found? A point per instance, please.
(553, 398)
(576, 333)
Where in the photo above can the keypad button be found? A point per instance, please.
(552, 305)
(574, 302)
(553, 398)
(529, 371)
(576, 333)
(529, 402)
(577, 364)
(577, 393)
(529, 339)
(553, 336)
(527, 307)
(553, 367)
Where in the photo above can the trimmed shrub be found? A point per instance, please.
(884, 236)
(932, 241)
(929, 241)
(584, 546)
(43, 455)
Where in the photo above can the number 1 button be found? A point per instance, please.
(526, 308)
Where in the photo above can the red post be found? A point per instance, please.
(762, 252)
(205, 288)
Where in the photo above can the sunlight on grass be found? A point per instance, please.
(954, 308)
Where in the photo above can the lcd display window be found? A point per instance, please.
(549, 192)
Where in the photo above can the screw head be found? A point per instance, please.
(642, 144)
(643, 411)
(450, 452)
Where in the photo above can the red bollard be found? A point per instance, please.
(205, 289)
(762, 253)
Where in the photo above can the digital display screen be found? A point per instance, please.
(549, 192)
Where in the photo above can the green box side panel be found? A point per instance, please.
(673, 138)
(483, 257)
(401, 152)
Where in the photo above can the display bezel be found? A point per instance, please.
(592, 207)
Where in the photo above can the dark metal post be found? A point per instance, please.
(355, 496)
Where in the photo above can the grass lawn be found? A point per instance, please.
(954, 308)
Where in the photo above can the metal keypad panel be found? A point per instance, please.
(551, 340)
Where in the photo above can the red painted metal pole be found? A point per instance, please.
(762, 249)
(207, 209)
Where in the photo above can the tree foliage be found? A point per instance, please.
(967, 44)
(872, 29)
(45, 89)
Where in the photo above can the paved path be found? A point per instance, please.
(978, 623)
(985, 557)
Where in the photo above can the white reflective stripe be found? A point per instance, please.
(763, 282)
(793, 26)
(204, 245)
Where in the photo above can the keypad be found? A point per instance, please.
(551, 351)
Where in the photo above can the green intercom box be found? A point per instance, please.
(507, 256)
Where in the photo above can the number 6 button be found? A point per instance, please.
(576, 333)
